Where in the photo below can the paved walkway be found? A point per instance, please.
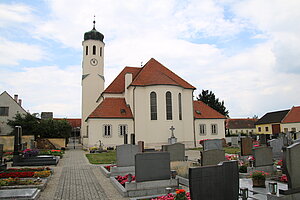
(75, 179)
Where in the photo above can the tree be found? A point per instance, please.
(209, 98)
(28, 122)
(44, 128)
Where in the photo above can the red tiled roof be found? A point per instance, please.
(112, 108)
(293, 116)
(118, 85)
(240, 123)
(203, 111)
(73, 122)
(154, 73)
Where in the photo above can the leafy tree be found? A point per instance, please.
(44, 128)
(209, 98)
(28, 122)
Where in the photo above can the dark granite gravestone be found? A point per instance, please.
(263, 139)
(263, 156)
(213, 144)
(276, 145)
(291, 164)
(141, 145)
(220, 182)
(152, 166)
(177, 151)
(246, 146)
(212, 157)
(125, 154)
(20, 194)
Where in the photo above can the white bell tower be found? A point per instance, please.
(92, 75)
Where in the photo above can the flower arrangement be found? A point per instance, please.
(108, 167)
(16, 174)
(24, 172)
(42, 174)
(17, 181)
(259, 175)
(181, 194)
(123, 179)
(30, 152)
(26, 169)
(283, 178)
(232, 157)
(279, 163)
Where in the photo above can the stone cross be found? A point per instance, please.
(172, 129)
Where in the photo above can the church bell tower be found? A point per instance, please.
(92, 74)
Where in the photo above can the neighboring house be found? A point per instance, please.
(270, 123)
(291, 122)
(142, 103)
(9, 107)
(238, 126)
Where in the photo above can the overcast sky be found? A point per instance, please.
(246, 51)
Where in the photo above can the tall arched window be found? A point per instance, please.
(179, 106)
(153, 106)
(94, 50)
(86, 50)
(100, 51)
(169, 105)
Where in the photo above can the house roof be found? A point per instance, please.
(112, 108)
(203, 111)
(152, 73)
(293, 116)
(118, 85)
(6, 93)
(272, 117)
(240, 123)
(73, 122)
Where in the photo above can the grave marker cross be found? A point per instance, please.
(172, 129)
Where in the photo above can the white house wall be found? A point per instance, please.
(208, 122)
(157, 132)
(289, 126)
(96, 131)
(14, 108)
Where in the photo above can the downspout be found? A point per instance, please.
(194, 121)
(133, 103)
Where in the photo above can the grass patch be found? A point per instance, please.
(229, 150)
(102, 158)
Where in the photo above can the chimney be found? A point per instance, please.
(128, 80)
(16, 98)
(20, 102)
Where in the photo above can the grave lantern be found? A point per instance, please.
(273, 188)
(244, 193)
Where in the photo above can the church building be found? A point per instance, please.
(146, 103)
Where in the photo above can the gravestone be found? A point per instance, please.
(2, 165)
(263, 156)
(177, 151)
(291, 164)
(263, 139)
(20, 194)
(212, 157)
(213, 144)
(220, 182)
(172, 139)
(152, 166)
(125, 154)
(234, 141)
(276, 145)
(246, 146)
(141, 146)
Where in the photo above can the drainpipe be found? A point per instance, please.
(133, 109)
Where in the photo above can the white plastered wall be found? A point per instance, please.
(156, 132)
(14, 108)
(289, 126)
(208, 122)
(242, 130)
(96, 131)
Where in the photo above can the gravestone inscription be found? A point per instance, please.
(152, 166)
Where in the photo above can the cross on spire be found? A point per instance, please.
(94, 22)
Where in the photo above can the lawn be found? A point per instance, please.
(229, 150)
(102, 158)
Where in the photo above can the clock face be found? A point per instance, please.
(94, 61)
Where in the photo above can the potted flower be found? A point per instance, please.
(258, 178)
(180, 195)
